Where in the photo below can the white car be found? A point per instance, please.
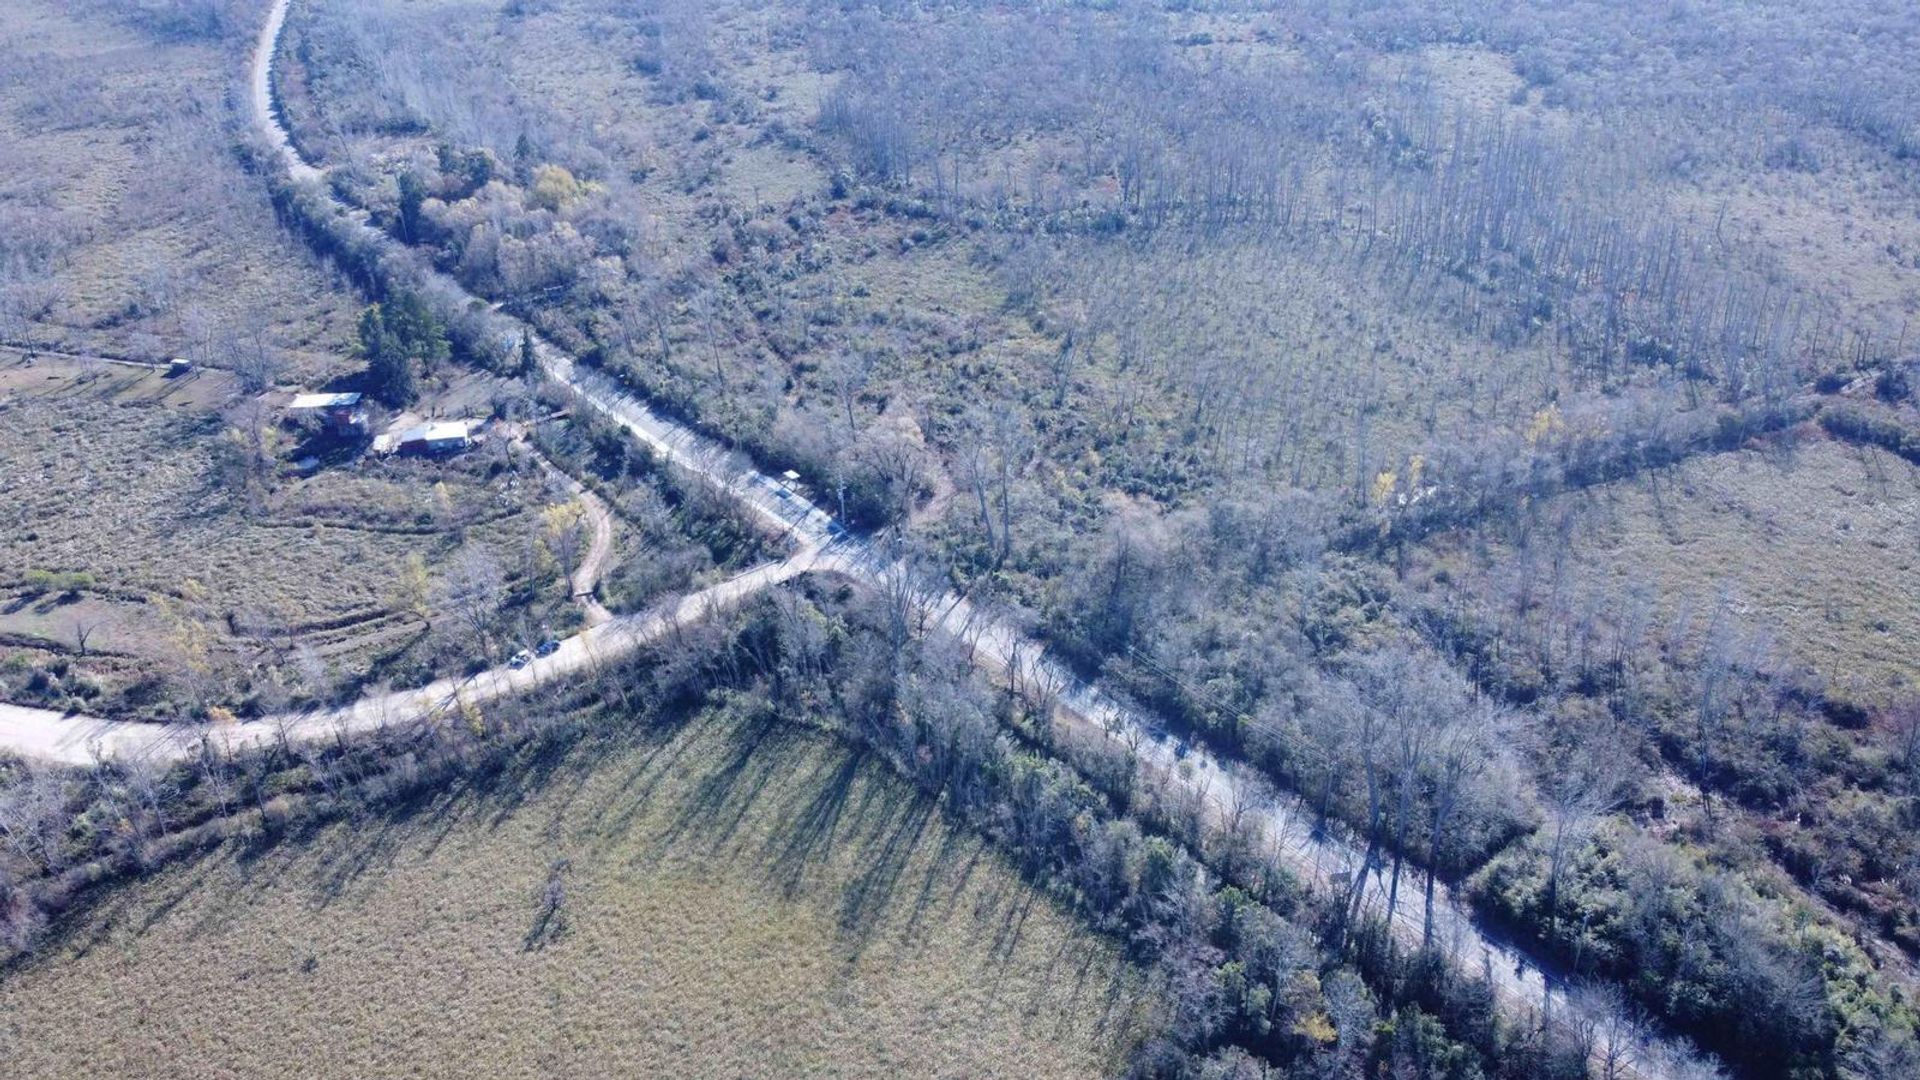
(520, 659)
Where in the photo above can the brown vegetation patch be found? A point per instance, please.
(732, 899)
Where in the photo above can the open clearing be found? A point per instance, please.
(1812, 546)
(181, 570)
(743, 897)
(131, 226)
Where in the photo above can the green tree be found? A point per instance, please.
(523, 161)
(389, 368)
(412, 194)
(529, 358)
(421, 336)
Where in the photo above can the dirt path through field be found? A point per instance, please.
(599, 520)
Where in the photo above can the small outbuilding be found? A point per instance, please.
(436, 437)
(341, 414)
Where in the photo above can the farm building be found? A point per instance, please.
(341, 414)
(434, 437)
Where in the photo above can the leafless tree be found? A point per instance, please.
(1578, 790)
(83, 631)
(471, 591)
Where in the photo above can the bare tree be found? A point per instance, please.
(471, 592)
(83, 631)
(1613, 1027)
(1578, 790)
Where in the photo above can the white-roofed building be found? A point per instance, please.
(343, 414)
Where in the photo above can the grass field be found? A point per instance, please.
(1816, 547)
(126, 477)
(742, 898)
(127, 224)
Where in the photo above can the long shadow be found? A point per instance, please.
(721, 799)
(1108, 1003)
(865, 901)
(942, 867)
(826, 810)
(809, 834)
(1013, 923)
(614, 818)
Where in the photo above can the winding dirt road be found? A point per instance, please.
(1322, 860)
(599, 519)
(78, 740)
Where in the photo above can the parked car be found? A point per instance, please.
(546, 648)
(520, 659)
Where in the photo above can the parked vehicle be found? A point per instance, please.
(546, 648)
(520, 659)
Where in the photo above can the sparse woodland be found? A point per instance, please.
(1494, 428)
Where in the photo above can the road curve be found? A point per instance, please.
(1523, 986)
(582, 582)
(79, 740)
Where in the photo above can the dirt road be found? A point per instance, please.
(77, 740)
(599, 521)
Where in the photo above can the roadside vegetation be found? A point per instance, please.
(829, 765)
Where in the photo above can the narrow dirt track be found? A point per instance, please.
(585, 578)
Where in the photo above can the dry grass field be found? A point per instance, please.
(127, 224)
(126, 477)
(742, 898)
(1810, 547)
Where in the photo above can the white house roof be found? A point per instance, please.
(324, 401)
(437, 431)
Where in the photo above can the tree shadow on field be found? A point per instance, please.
(807, 838)
(753, 754)
(815, 803)
(420, 821)
(945, 865)
(799, 811)
(866, 900)
(1109, 1001)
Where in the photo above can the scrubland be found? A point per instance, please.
(128, 225)
(1196, 338)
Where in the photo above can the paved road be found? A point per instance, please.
(820, 544)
